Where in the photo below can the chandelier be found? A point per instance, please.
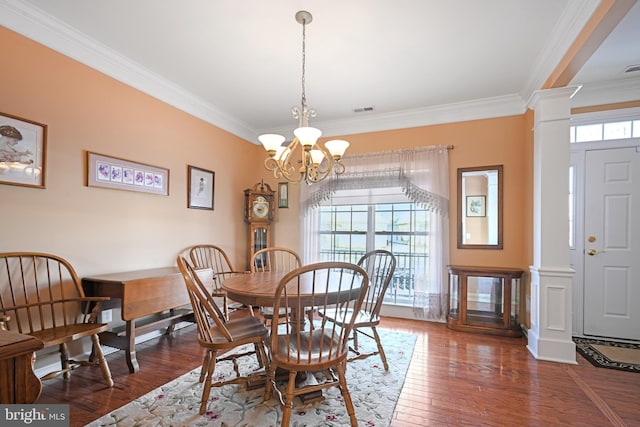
(314, 162)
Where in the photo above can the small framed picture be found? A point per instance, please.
(476, 206)
(283, 195)
(23, 146)
(200, 188)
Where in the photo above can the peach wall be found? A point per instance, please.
(102, 230)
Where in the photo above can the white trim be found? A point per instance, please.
(501, 106)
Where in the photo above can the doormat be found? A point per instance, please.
(610, 354)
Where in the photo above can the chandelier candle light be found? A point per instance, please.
(316, 162)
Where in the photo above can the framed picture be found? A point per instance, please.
(201, 183)
(120, 174)
(476, 206)
(283, 195)
(23, 147)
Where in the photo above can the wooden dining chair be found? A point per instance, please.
(213, 257)
(42, 296)
(320, 351)
(380, 266)
(217, 334)
(274, 259)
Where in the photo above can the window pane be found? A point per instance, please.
(402, 222)
(343, 221)
(421, 221)
(572, 134)
(618, 130)
(326, 220)
(342, 242)
(384, 221)
(359, 221)
(636, 128)
(589, 133)
(359, 243)
(382, 242)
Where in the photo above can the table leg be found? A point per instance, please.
(130, 351)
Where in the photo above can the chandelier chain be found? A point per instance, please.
(304, 62)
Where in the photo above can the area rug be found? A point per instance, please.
(610, 354)
(373, 390)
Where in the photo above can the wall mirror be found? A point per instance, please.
(480, 207)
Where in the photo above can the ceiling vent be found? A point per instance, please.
(364, 109)
(632, 68)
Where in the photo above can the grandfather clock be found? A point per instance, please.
(259, 212)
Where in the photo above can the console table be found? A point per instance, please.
(149, 300)
(18, 382)
(485, 300)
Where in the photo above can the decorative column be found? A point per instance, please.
(549, 337)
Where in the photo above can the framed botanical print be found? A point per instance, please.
(23, 146)
(120, 174)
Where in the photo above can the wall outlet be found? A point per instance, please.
(105, 316)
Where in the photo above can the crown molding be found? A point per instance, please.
(608, 92)
(508, 105)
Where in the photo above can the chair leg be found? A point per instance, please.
(288, 403)
(310, 315)
(104, 366)
(64, 361)
(355, 340)
(259, 354)
(206, 388)
(205, 365)
(271, 380)
(346, 395)
(380, 349)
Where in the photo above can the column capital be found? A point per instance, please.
(553, 93)
(552, 104)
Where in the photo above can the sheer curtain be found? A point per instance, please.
(419, 175)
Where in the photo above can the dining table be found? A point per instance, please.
(253, 288)
(257, 289)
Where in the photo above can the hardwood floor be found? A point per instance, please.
(455, 379)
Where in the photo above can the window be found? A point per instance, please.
(397, 200)
(348, 232)
(605, 131)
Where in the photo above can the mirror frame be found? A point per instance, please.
(461, 214)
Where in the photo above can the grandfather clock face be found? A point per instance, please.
(258, 213)
(259, 203)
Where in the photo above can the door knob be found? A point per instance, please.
(593, 252)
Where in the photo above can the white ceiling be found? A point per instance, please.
(237, 64)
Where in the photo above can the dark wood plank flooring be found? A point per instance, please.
(455, 379)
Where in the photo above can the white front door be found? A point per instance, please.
(612, 243)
